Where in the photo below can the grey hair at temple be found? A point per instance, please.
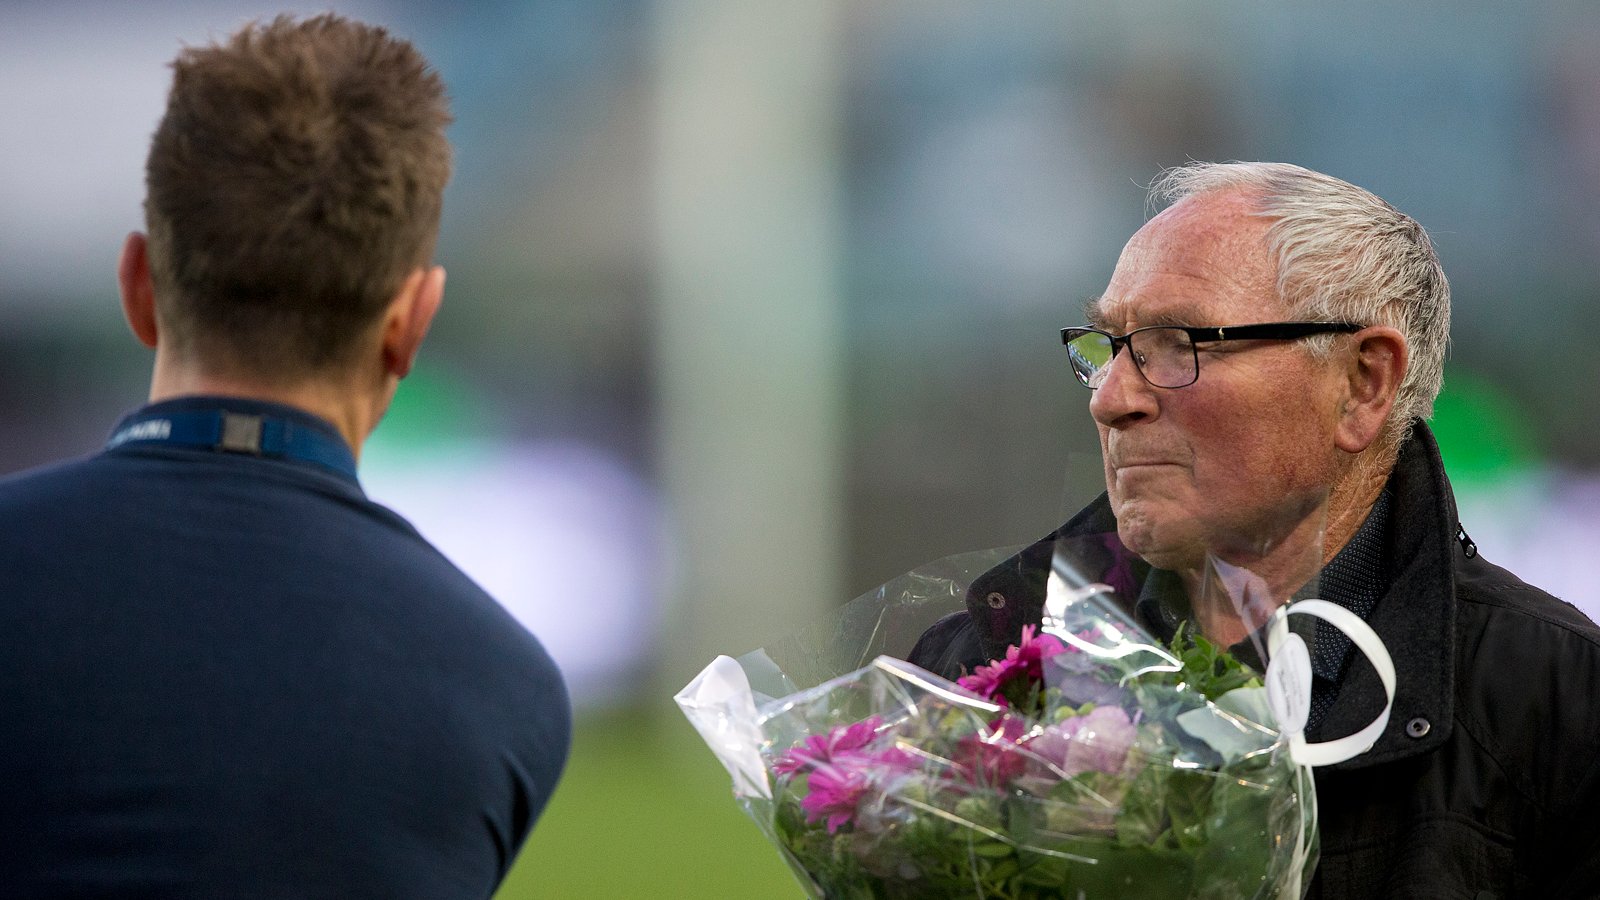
(1343, 254)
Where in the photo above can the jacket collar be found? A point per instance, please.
(1416, 617)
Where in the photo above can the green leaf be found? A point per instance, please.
(1208, 668)
(1143, 820)
(1188, 802)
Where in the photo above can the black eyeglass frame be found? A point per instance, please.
(1269, 331)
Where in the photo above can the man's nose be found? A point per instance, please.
(1124, 397)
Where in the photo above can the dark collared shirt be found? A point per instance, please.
(1355, 578)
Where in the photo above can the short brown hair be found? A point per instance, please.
(294, 182)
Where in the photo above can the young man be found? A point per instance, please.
(225, 672)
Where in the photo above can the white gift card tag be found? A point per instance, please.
(1289, 684)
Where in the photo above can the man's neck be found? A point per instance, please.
(354, 412)
(1223, 614)
(1237, 588)
(1353, 496)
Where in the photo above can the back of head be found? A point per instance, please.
(1343, 254)
(294, 182)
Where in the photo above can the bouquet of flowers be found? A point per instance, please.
(1089, 762)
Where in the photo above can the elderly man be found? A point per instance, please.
(1272, 340)
(224, 671)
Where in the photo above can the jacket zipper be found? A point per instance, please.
(1467, 546)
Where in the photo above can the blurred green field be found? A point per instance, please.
(644, 810)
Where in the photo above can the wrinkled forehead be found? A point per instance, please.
(1202, 261)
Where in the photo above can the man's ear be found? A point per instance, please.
(1374, 374)
(410, 313)
(138, 290)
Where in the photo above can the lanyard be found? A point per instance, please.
(231, 432)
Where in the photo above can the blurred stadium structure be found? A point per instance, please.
(752, 306)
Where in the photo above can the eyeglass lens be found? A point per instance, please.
(1164, 355)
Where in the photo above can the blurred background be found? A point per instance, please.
(753, 306)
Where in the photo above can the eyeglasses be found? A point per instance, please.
(1165, 354)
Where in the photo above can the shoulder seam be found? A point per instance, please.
(1467, 598)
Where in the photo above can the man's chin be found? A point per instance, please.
(1164, 547)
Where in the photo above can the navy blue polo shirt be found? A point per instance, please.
(232, 675)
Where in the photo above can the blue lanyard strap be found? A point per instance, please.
(231, 432)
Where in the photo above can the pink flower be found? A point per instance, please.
(1009, 679)
(1097, 741)
(843, 770)
(835, 792)
(818, 749)
(837, 787)
(992, 756)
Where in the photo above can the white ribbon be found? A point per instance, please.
(1289, 681)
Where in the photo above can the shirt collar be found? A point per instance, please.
(241, 425)
(1355, 578)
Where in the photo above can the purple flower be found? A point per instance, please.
(818, 749)
(991, 756)
(1022, 669)
(1097, 741)
(837, 787)
(834, 792)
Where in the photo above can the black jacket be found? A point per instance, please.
(1486, 783)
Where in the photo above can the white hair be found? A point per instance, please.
(1343, 254)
